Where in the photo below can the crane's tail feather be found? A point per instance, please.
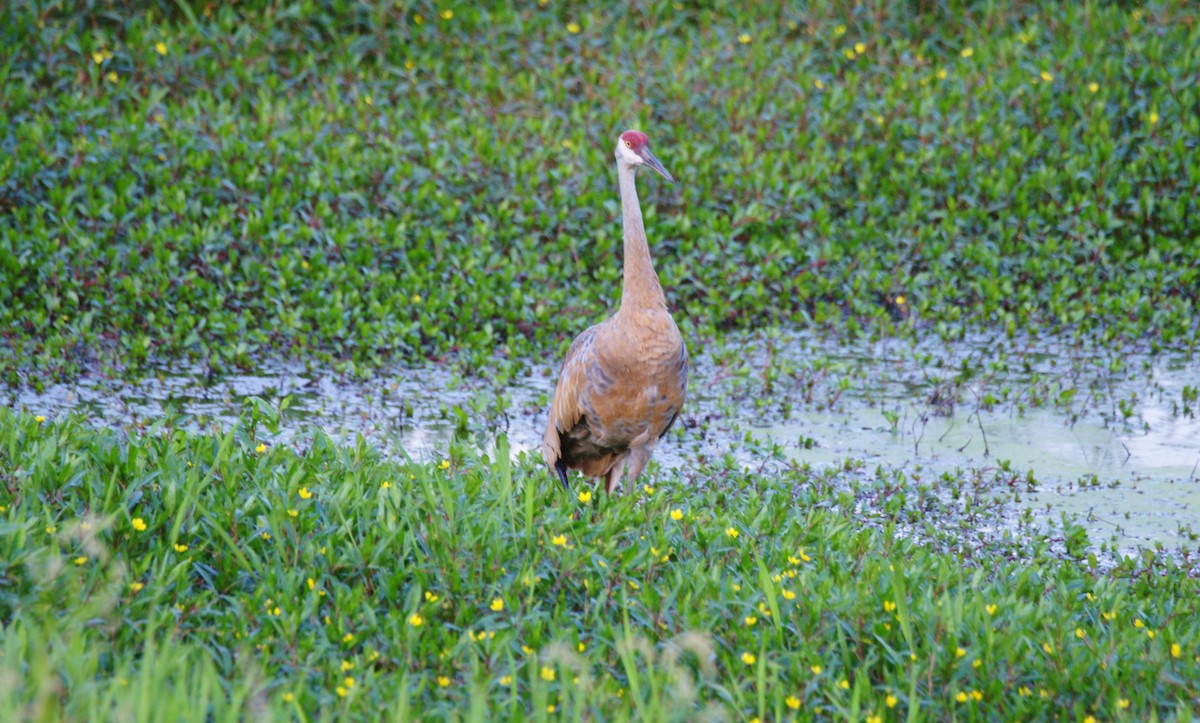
(561, 468)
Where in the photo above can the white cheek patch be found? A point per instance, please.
(626, 154)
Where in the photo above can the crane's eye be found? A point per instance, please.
(628, 144)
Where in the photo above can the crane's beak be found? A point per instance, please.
(652, 162)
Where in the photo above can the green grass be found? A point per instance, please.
(339, 180)
(305, 567)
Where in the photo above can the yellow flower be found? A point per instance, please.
(792, 702)
(648, 489)
(677, 515)
(889, 606)
(551, 708)
(112, 77)
(737, 587)
(748, 658)
(443, 681)
(497, 604)
(348, 637)
(311, 583)
(1176, 650)
(839, 31)
(1094, 87)
(342, 692)
(348, 682)
(418, 19)
(136, 586)
(385, 485)
(447, 14)
(818, 84)
(430, 597)
(560, 540)
(991, 609)
(1047, 76)
(959, 652)
(415, 620)
(941, 74)
(139, 524)
(1079, 633)
(81, 560)
(1048, 648)
(160, 47)
(744, 39)
(860, 48)
(292, 513)
(347, 665)
(585, 497)
(416, 298)
(304, 493)
(816, 669)
(967, 52)
(976, 695)
(891, 701)
(1137, 623)
(180, 548)
(506, 680)
(266, 535)
(288, 697)
(789, 595)
(547, 673)
(260, 448)
(961, 697)
(751, 620)
(1153, 118)
(573, 28)
(445, 464)
(39, 419)
(844, 685)
(1123, 703)
(51, 529)
(1024, 690)
(98, 57)
(731, 532)
(581, 647)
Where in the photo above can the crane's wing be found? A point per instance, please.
(569, 406)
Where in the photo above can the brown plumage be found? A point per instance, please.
(624, 380)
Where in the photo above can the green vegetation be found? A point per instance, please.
(354, 184)
(364, 183)
(186, 575)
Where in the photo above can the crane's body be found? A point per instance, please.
(624, 380)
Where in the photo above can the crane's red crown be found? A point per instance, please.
(635, 139)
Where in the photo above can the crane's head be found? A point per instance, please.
(633, 149)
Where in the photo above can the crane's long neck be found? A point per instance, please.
(641, 289)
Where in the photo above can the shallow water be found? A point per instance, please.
(1100, 433)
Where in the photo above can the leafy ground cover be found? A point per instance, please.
(408, 181)
(206, 576)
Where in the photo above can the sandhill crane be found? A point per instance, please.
(624, 380)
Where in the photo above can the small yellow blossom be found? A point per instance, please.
(792, 702)
(891, 701)
(816, 669)
(497, 604)
(959, 652)
(860, 48)
(139, 524)
(839, 31)
(180, 548)
(447, 14)
(677, 515)
(581, 647)
(39, 419)
(81, 560)
(567, 144)
(160, 47)
(818, 84)
(443, 681)
(737, 587)
(585, 497)
(976, 695)
(136, 586)
(547, 673)
(266, 535)
(551, 708)
(445, 464)
(889, 606)
(385, 485)
(845, 684)
(731, 532)
(112, 76)
(991, 609)
(560, 540)
(418, 19)
(347, 665)
(1048, 648)
(573, 28)
(1047, 76)
(430, 597)
(751, 620)
(789, 595)
(1176, 650)
(98, 57)
(1137, 623)
(342, 692)
(648, 489)
(1153, 118)
(744, 38)
(288, 697)
(415, 620)
(506, 680)
(942, 73)
(348, 637)
(51, 529)
(348, 682)
(967, 52)
(961, 697)
(304, 493)
(416, 298)
(1123, 703)
(748, 658)
(1079, 633)
(1094, 87)
(293, 513)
